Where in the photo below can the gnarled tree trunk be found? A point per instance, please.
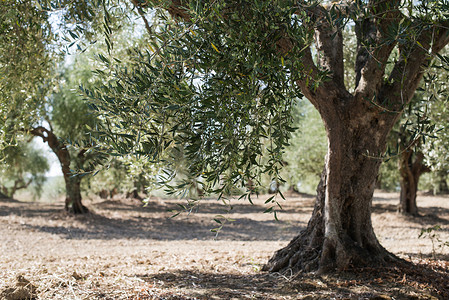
(340, 232)
(410, 171)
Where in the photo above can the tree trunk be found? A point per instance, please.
(442, 183)
(73, 194)
(340, 232)
(410, 172)
(442, 186)
(72, 182)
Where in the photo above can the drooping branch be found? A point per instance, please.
(329, 39)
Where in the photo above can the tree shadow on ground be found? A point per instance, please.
(202, 285)
(9, 200)
(443, 258)
(29, 211)
(206, 206)
(403, 282)
(380, 208)
(169, 229)
(427, 215)
(152, 222)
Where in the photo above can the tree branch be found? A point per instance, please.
(177, 10)
(319, 95)
(138, 5)
(373, 44)
(19, 184)
(57, 147)
(329, 42)
(414, 58)
(311, 73)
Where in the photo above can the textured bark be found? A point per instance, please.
(340, 232)
(73, 202)
(411, 167)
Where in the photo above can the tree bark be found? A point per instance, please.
(73, 203)
(73, 198)
(410, 172)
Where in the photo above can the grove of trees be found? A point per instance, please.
(218, 83)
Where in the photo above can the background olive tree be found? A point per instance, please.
(22, 166)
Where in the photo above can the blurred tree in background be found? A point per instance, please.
(307, 150)
(21, 166)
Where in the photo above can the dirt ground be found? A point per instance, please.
(122, 250)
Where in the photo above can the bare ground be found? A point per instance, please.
(122, 250)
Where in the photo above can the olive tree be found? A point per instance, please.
(418, 138)
(220, 78)
(21, 166)
(411, 163)
(65, 119)
(39, 93)
(28, 62)
(436, 149)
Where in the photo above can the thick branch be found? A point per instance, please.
(311, 73)
(57, 147)
(409, 69)
(418, 166)
(177, 10)
(374, 46)
(19, 184)
(319, 95)
(329, 43)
